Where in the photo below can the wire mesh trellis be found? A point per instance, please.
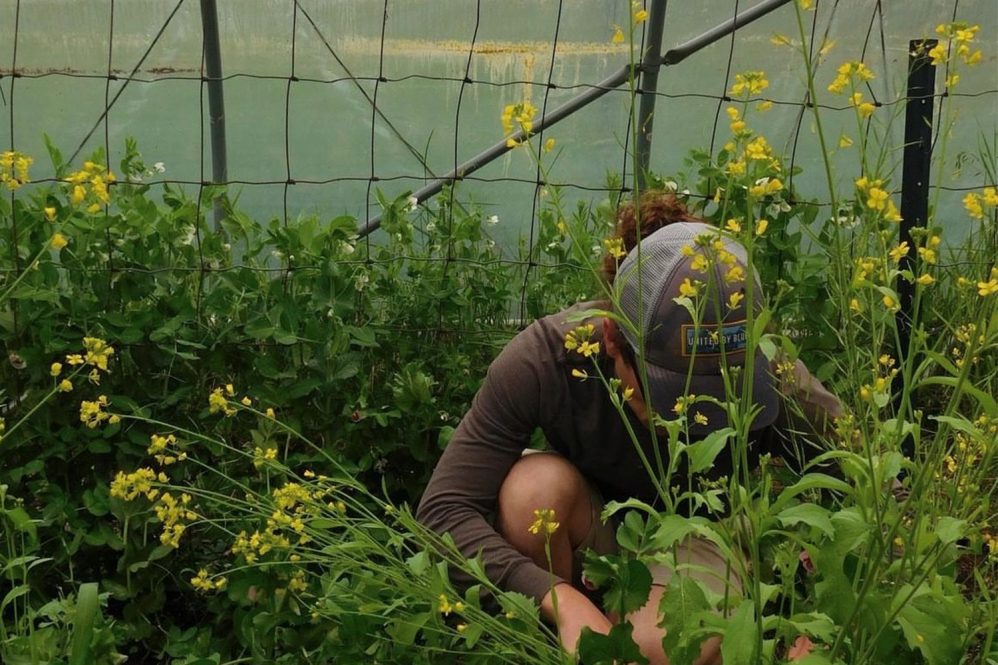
(358, 53)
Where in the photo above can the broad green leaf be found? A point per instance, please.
(616, 647)
(810, 514)
(680, 607)
(811, 481)
(950, 529)
(703, 453)
(738, 644)
(87, 610)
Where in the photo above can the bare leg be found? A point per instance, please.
(545, 481)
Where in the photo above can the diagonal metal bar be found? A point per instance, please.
(671, 57)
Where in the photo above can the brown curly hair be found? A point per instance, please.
(657, 208)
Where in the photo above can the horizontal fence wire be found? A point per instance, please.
(146, 72)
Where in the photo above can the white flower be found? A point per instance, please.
(490, 243)
(492, 219)
(411, 204)
(227, 247)
(361, 281)
(158, 167)
(346, 248)
(431, 227)
(670, 186)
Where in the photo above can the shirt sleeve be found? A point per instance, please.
(461, 496)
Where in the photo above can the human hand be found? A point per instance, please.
(575, 612)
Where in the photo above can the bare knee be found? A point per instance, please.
(543, 481)
(648, 635)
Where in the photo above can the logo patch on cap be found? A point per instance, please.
(707, 339)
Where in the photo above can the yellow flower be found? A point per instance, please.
(990, 287)
(891, 213)
(952, 80)
(938, 54)
(844, 141)
(270, 413)
(549, 145)
(990, 196)
(925, 279)
(699, 263)
(764, 105)
(58, 241)
(855, 306)
(806, 4)
(246, 401)
(737, 126)
(866, 109)
(735, 299)
(732, 112)
(544, 522)
(736, 274)
(889, 302)
(580, 374)
(735, 167)
(761, 226)
(687, 289)
(734, 226)
(899, 252)
(618, 35)
(627, 393)
(972, 203)
(682, 403)
(876, 198)
(749, 83)
(640, 16)
(699, 418)
(50, 214)
(65, 386)
(615, 247)
(55, 369)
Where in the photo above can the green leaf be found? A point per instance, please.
(810, 514)
(811, 481)
(404, 631)
(616, 647)
(87, 609)
(630, 589)
(703, 453)
(680, 607)
(950, 529)
(738, 645)
(928, 626)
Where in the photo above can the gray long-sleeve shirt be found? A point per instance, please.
(530, 386)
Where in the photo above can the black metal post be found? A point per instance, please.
(615, 80)
(216, 102)
(650, 64)
(919, 104)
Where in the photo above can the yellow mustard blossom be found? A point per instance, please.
(218, 403)
(733, 225)
(130, 486)
(174, 514)
(58, 241)
(549, 145)
(297, 581)
(50, 213)
(202, 582)
(764, 105)
(876, 198)
(90, 184)
(990, 196)
(575, 339)
(700, 263)
(618, 35)
(14, 167)
(246, 401)
(735, 167)
(972, 202)
(683, 403)
(844, 141)
(990, 287)
(544, 522)
(891, 213)
(262, 456)
(270, 413)
(890, 303)
(899, 252)
(615, 247)
(855, 306)
(848, 72)
(640, 14)
(749, 83)
(65, 386)
(700, 419)
(761, 226)
(735, 299)
(758, 149)
(92, 413)
(688, 289)
(925, 279)
(98, 353)
(55, 369)
(580, 374)
(518, 117)
(735, 274)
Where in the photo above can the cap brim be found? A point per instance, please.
(668, 386)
